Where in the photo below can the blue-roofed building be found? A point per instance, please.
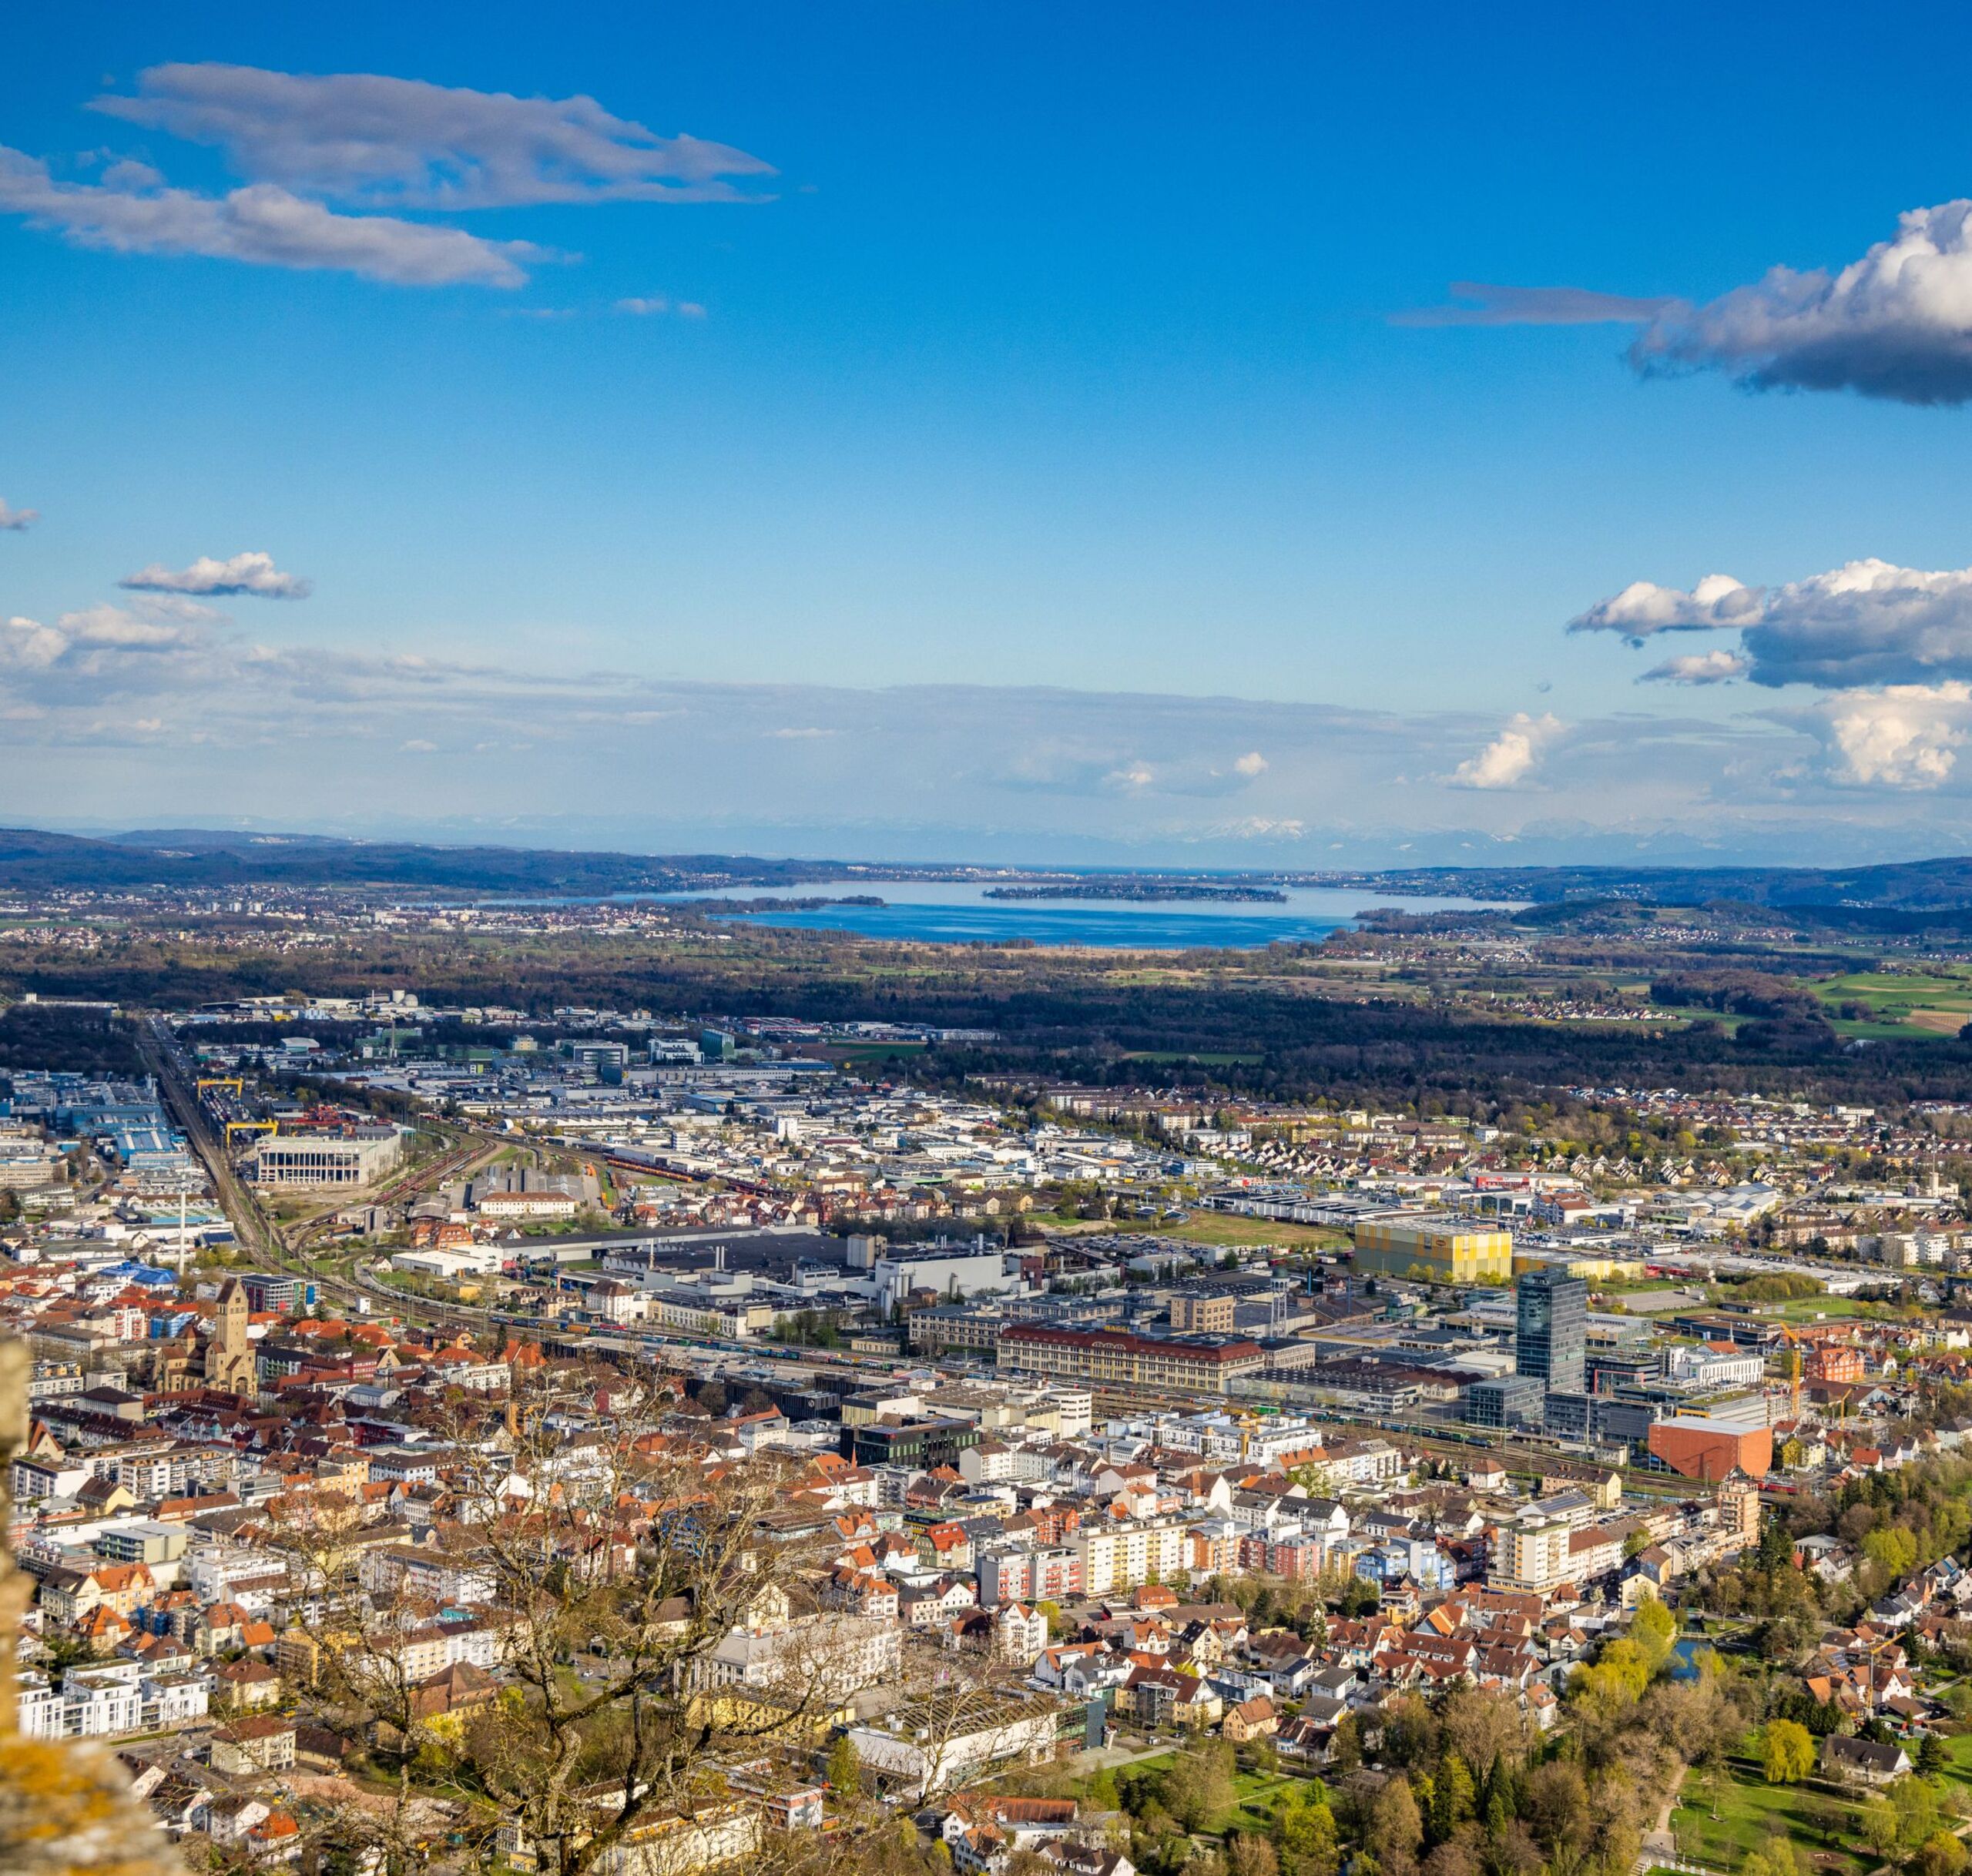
(147, 1275)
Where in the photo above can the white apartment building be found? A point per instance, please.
(102, 1702)
(1706, 1367)
(835, 1655)
(428, 1576)
(421, 1653)
(214, 1573)
(1533, 1555)
(1122, 1556)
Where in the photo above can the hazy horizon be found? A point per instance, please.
(1135, 432)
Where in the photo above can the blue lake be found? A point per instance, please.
(959, 912)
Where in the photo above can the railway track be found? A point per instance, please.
(262, 1241)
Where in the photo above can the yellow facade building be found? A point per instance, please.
(1432, 1248)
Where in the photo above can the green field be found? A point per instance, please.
(1254, 1794)
(1750, 1810)
(1958, 1761)
(1806, 1308)
(1227, 1230)
(1905, 1005)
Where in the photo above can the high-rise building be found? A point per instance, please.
(1550, 1337)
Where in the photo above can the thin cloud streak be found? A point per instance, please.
(366, 138)
(1534, 305)
(263, 224)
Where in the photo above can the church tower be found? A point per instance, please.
(229, 1365)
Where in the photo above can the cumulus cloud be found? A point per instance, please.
(363, 137)
(262, 224)
(27, 644)
(1896, 323)
(1510, 757)
(121, 630)
(97, 651)
(1252, 763)
(13, 519)
(1700, 667)
(251, 573)
(1904, 736)
(1641, 610)
(1534, 305)
(1865, 623)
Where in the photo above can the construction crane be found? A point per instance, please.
(1793, 1340)
(221, 1081)
(250, 1127)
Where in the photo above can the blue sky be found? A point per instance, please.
(1049, 382)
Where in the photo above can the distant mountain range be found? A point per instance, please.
(32, 860)
(205, 857)
(1932, 885)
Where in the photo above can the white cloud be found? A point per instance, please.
(1641, 610)
(1509, 759)
(655, 305)
(126, 172)
(1068, 779)
(1534, 305)
(13, 520)
(418, 746)
(1905, 736)
(1865, 623)
(1252, 763)
(365, 137)
(27, 642)
(92, 653)
(262, 224)
(1700, 667)
(251, 573)
(123, 630)
(1896, 323)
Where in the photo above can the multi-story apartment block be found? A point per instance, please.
(1122, 1556)
(1203, 1364)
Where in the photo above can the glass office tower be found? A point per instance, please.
(1551, 1338)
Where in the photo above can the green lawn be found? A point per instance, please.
(1806, 1308)
(1226, 1228)
(1957, 1768)
(1750, 1809)
(1254, 1797)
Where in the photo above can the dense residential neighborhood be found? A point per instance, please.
(1319, 1428)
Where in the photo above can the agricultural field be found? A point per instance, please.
(1900, 1004)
